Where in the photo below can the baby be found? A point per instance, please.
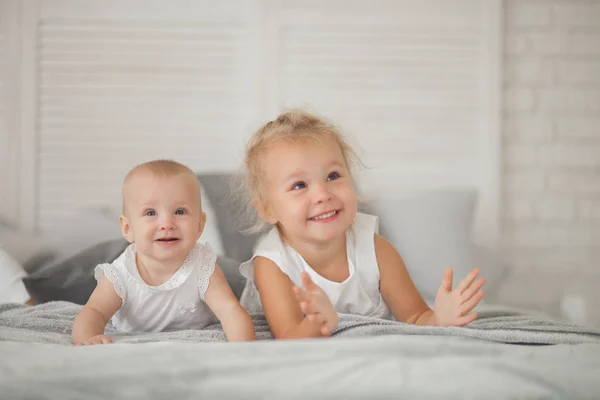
(164, 280)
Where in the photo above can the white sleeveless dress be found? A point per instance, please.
(358, 294)
(176, 304)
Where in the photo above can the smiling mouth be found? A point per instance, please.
(325, 215)
(166, 240)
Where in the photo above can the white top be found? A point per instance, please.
(177, 304)
(358, 294)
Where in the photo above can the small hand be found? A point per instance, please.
(98, 339)
(453, 307)
(315, 303)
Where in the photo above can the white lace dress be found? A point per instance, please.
(175, 305)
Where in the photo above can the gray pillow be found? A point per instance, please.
(72, 279)
(235, 244)
(432, 231)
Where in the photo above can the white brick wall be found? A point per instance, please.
(551, 162)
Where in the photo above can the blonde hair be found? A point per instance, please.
(160, 169)
(295, 127)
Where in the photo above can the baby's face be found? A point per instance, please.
(310, 193)
(162, 216)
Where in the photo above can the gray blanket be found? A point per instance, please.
(365, 358)
(52, 323)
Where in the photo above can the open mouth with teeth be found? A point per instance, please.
(325, 216)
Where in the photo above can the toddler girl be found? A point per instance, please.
(164, 280)
(323, 257)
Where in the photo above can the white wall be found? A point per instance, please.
(551, 157)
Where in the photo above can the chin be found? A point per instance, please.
(328, 236)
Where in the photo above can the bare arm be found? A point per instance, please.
(397, 289)
(453, 307)
(89, 324)
(282, 310)
(236, 322)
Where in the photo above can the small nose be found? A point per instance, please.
(166, 223)
(322, 194)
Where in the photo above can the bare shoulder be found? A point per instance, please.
(219, 297)
(104, 298)
(217, 277)
(265, 267)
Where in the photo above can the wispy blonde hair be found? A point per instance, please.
(295, 127)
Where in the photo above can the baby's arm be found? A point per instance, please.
(236, 322)
(89, 324)
(281, 306)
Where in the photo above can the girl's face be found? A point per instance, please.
(309, 191)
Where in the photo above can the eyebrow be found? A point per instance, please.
(298, 173)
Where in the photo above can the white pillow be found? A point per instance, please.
(12, 289)
(211, 234)
(432, 231)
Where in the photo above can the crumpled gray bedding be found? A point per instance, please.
(365, 357)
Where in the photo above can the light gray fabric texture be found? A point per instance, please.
(366, 358)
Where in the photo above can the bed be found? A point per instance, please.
(505, 353)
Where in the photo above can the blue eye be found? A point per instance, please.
(180, 211)
(333, 176)
(298, 186)
(150, 213)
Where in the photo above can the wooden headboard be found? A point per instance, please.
(92, 88)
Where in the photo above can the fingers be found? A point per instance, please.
(308, 307)
(472, 290)
(300, 294)
(306, 281)
(465, 283)
(467, 319)
(101, 339)
(318, 319)
(470, 304)
(447, 280)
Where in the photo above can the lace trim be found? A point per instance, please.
(206, 268)
(111, 273)
(174, 281)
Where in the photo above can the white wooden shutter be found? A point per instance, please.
(4, 148)
(409, 81)
(122, 82)
(8, 98)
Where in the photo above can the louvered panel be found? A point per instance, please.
(118, 87)
(7, 190)
(403, 78)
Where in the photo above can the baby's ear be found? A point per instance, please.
(264, 212)
(126, 229)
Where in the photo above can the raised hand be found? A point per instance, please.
(315, 303)
(453, 307)
(98, 339)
